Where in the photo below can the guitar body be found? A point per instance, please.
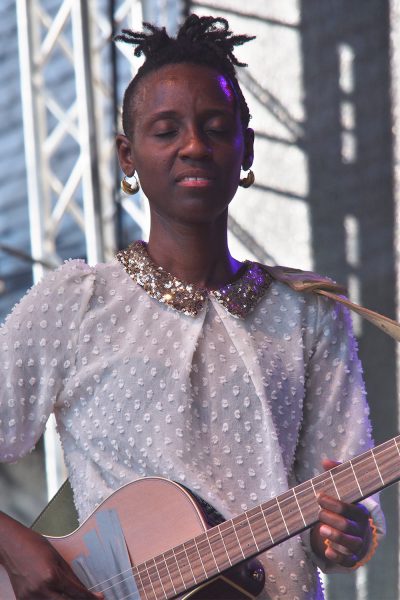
(156, 515)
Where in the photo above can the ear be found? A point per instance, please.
(248, 155)
(124, 151)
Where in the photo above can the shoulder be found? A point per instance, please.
(68, 287)
(77, 271)
(303, 281)
(315, 296)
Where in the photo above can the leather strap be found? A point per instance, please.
(305, 281)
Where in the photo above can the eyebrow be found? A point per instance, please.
(173, 114)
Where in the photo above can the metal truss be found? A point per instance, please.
(70, 75)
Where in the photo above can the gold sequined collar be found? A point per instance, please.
(238, 297)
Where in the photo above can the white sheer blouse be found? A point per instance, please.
(237, 409)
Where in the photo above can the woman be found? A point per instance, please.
(176, 359)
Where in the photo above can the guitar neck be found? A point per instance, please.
(270, 523)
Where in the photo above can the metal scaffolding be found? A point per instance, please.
(73, 37)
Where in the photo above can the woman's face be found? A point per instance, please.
(187, 144)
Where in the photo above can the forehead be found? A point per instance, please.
(183, 86)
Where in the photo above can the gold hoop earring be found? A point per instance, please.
(247, 181)
(128, 188)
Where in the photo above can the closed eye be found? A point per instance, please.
(166, 134)
(217, 130)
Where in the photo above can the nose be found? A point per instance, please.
(194, 145)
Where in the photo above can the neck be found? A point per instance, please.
(197, 254)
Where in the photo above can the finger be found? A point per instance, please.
(329, 464)
(343, 524)
(356, 512)
(339, 548)
(352, 542)
(345, 559)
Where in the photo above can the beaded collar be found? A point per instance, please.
(238, 297)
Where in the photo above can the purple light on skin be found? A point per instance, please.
(226, 87)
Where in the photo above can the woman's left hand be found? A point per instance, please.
(345, 526)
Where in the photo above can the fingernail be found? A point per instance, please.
(325, 531)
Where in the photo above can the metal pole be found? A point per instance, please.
(81, 29)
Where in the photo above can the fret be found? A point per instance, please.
(377, 467)
(145, 573)
(162, 562)
(243, 532)
(369, 477)
(334, 485)
(298, 506)
(387, 461)
(173, 567)
(217, 538)
(252, 533)
(323, 483)
(306, 498)
(203, 545)
(189, 563)
(154, 567)
(289, 510)
(194, 557)
(264, 507)
(259, 527)
(355, 477)
(232, 541)
(276, 522)
(199, 542)
(141, 587)
(184, 566)
(283, 518)
(195, 561)
(344, 482)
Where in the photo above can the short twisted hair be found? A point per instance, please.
(205, 41)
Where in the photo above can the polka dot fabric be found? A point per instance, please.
(236, 409)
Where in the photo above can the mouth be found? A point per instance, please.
(199, 181)
(195, 182)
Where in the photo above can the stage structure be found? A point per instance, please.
(77, 34)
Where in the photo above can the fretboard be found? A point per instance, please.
(200, 558)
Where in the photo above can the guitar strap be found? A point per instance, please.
(306, 281)
(59, 517)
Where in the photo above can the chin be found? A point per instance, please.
(199, 210)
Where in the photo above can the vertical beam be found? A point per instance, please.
(81, 30)
(34, 123)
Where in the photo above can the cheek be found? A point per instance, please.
(154, 177)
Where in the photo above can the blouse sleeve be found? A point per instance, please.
(37, 350)
(336, 421)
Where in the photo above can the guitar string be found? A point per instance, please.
(256, 516)
(360, 463)
(324, 478)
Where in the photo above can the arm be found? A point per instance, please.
(335, 427)
(37, 354)
(35, 569)
(37, 349)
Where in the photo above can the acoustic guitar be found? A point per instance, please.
(151, 540)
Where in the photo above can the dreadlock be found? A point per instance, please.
(204, 41)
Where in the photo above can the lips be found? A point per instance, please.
(194, 179)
